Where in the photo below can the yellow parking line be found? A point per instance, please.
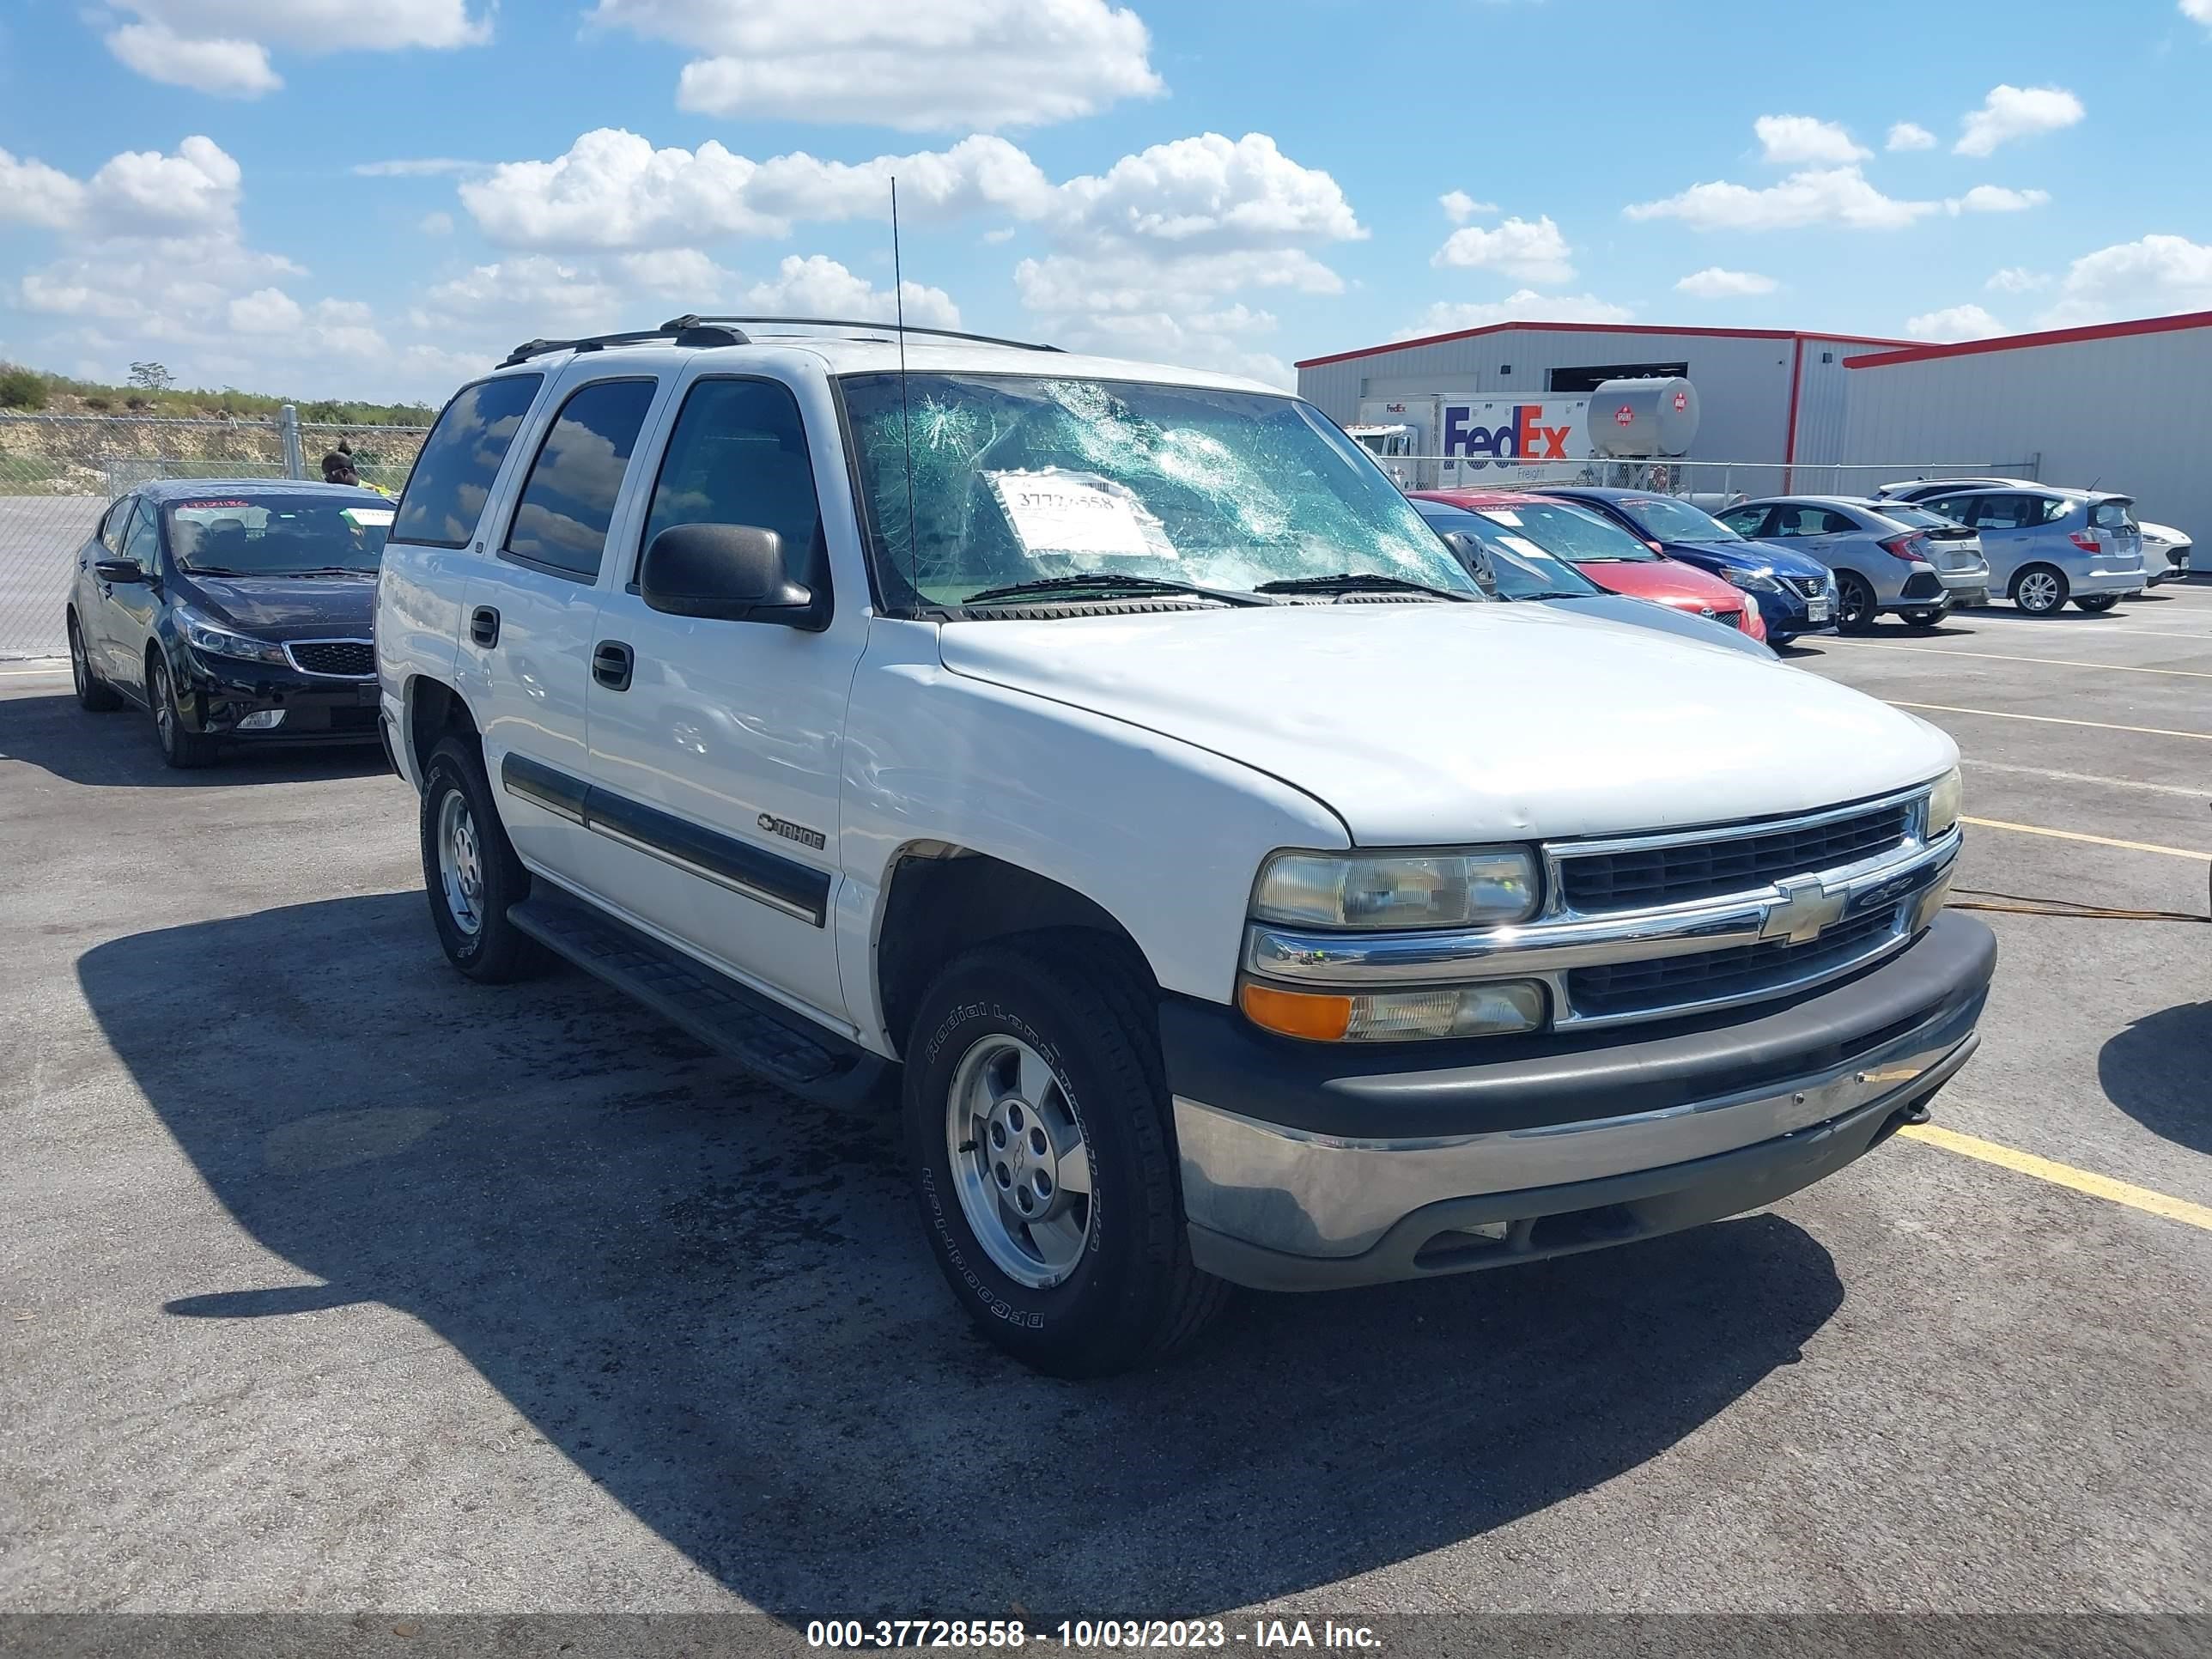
(1998, 656)
(2051, 719)
(2100, 841)
(2064, 1175)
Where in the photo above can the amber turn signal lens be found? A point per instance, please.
(1297, 1013)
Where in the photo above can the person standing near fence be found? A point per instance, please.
(338, 468)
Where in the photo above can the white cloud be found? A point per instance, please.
(435, 224)
(1955, 322)
(222, 47)
(265, 311)
(536, 291)
(2198, 10)
(1206, 193)
(1797, 138)
(1995, 198)
(820, 286)
(2010, 113)
(998, 235)
(1460, 207)
(1525, 306)
(1715, 284)
(1532, 252)
(1817, 195)
(919, 65)
(227, 68)
(2147, 277)
(192, 193)
(419, 167)
(1910, 135)
(1068, 285)
(2019, 279)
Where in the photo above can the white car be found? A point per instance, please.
(1109, 753)
(2166, 552)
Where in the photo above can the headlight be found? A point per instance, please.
(1943, 804)
(1426, 890)
(1756, 581)
(202, 635)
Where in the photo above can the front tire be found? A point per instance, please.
(470, 869)
(1855, 602)
(1921, 621)
(185, 750)
(2039, 590)
(93, 693)
(1038, 1135)
(2098, 602)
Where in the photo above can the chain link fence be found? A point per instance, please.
(58, 472)
(1706, 483)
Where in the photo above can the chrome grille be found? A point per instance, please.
(345, 659)
(1640, 878)
(1674, 983)
(1810, 586)
(1728, 618)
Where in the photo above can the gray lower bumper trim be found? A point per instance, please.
(1466, 1234)
(1300, 1193)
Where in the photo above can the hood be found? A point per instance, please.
(1749, 556)
(285, 605)
(2160, 533)
(1443, 723)
(1669, 581)
(1683, 624)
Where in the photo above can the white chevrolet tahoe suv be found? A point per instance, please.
(1109, 753)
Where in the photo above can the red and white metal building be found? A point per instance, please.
(2124, 406)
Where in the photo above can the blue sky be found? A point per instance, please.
(372, 196)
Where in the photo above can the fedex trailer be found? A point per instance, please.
(1446, 440)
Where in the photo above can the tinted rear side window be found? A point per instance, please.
(446, 494)
(568, 500)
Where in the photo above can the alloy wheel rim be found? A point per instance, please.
(2037, 592)
(1020, 1162)
(460, 864)
(77, 664)
(165, 714)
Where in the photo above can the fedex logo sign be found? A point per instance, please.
(1526, 435)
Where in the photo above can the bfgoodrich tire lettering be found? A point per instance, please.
(1133, 1294)
(473, 928)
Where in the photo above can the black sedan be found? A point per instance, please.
(236, 612)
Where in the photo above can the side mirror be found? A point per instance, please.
(121, 573)
(726, 572)
(1470, 553)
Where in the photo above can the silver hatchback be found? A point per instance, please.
(2046, 545)
(1887, 556)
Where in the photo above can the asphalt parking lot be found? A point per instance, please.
(335, 1283)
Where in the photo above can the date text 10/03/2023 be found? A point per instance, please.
(1083, 1634)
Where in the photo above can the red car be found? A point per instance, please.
(1606, 554)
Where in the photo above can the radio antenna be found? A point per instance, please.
(906, 415)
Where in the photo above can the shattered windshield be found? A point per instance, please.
(1019, 478)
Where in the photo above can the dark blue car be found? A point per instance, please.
(1795, 594)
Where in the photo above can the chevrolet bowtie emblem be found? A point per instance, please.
(1804, 908)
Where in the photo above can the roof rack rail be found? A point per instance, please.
(858, 323)
(684, 331)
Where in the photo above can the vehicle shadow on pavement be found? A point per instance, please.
(716, 1301)
(2154, 1072)
(117, 751)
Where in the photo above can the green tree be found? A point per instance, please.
(21, 388)
(152, 376)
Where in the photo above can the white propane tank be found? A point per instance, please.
(1637, 419)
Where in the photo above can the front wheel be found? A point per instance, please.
(1037, 1131)
(2039, 590)
(93, 693)
(187, 751)
(470, 868)
(1855, 602)
(2097, 602)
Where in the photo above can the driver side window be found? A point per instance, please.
(739, 455)
(143, 541)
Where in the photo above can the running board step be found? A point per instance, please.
(731, 1017)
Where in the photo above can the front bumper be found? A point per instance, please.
(1305, 1168)
(2172, 568)
(1787, 614)
(215, 694)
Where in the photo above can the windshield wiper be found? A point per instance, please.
(325, 570)
(218, 570)
(1345, 581)
(1108, 581)
(1555, 594)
